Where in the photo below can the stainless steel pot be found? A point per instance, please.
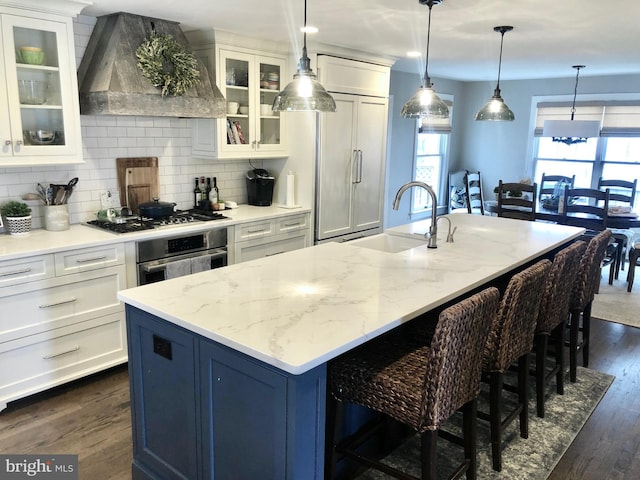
(156, 209)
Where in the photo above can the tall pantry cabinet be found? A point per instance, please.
(352, 149)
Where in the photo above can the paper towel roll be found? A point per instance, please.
(291, 189)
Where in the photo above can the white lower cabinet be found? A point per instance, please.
(63, 324)
(271, 237)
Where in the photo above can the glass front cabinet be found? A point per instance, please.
(249, 81)
(39, 104)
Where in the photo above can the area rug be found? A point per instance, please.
(615, 304)
(525, 459)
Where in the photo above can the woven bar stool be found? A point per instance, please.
(552, 319)
(510, 340)
(416, 383)
(584, 291)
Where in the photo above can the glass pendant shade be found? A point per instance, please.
(304, 93)
(425, 104)
(495, 110)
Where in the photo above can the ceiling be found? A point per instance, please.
(549, 36)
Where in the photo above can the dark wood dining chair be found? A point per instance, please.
(549, 185)
(552, 320)
(585, 287)
(521, 207)
(417, 381)
(473, 187)
(620, 191)
(510, 342)
(585, 207)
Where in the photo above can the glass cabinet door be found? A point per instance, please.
(237, 69)
(271, 82)
(36, 58)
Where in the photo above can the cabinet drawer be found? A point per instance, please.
(75, 261)
(274, 246)
(254, 230)
(291, 223)
(73, 352)
(28, 269)
(93, 294)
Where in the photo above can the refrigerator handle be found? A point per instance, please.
(359, 166)
(354, 165)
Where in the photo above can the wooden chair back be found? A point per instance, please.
(620, 191)
(521, 208)
(548, 184)
(585, 207)
(473, 187)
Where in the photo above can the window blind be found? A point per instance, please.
(616, 120)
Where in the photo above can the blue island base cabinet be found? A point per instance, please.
(201, 410)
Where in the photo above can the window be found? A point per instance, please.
(429, 167)
(613, 155)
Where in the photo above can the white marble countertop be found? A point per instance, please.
(302, 308)
(41, 241)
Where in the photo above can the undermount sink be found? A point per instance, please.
(389, 243)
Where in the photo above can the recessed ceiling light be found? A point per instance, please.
(413, 54)
(309, 29)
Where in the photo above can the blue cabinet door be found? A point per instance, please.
(244, 417)
(162, 372)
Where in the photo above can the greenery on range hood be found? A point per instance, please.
(111, 83)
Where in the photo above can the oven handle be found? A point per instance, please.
(159, 268)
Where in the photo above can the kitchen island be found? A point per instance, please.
(228, 367)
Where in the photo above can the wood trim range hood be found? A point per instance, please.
(110, 82)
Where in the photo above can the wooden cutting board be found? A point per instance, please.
(138, 180)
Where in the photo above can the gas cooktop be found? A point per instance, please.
(138, 224)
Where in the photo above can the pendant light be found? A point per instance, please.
(571, 131)
(425, 103)
(495, 109)
(304, 92)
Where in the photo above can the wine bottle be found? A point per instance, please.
(203, 188)
(215, 187)
(197, 193)
(207, 190)
(213, 195)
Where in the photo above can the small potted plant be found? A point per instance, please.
(18, 215)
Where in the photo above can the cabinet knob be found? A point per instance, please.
(7, 142)
(19, 142)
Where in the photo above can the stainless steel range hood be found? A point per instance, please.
(111, 83)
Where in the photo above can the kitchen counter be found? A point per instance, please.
(298, 310)
(235, 359)
(42, 241)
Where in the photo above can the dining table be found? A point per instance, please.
(622, 221)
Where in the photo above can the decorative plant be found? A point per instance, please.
(13, 208)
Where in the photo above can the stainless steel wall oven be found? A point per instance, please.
(167, 257)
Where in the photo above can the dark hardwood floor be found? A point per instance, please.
(91, 418)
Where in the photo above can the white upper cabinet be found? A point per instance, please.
(250, 81)
(39, 108)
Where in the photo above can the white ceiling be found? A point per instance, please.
(549, 36)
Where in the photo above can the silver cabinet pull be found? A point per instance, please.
(256, 231)
(272, 254)
(75, 348)
(92, 259)
(7, 142)
(18, 142)
(64, 302)
(15, 272)
(289, 225)
(354, 165)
